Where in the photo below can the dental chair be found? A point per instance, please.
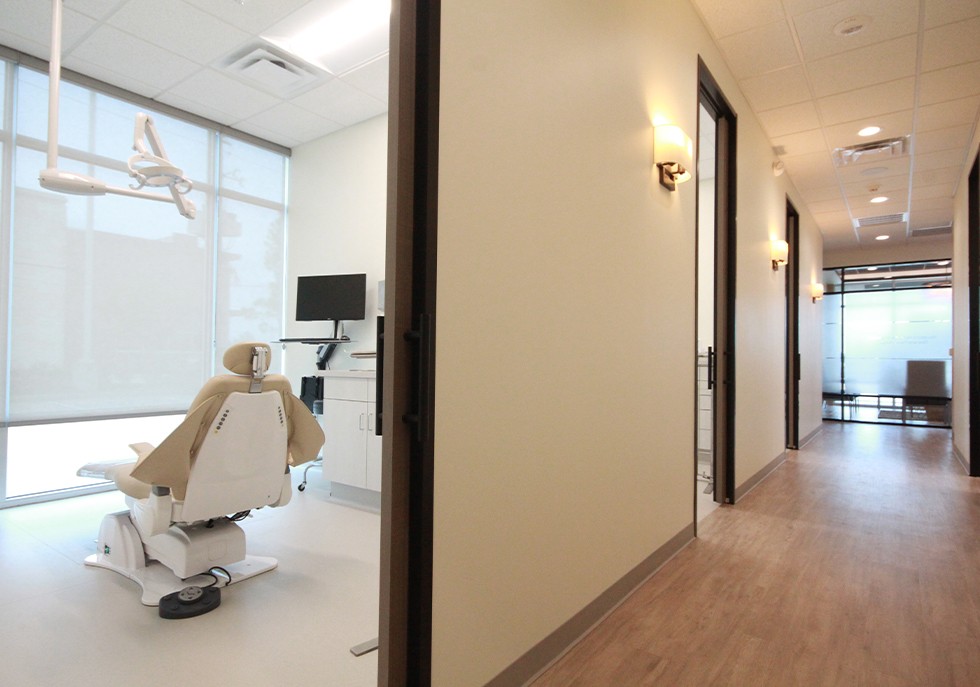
(230, 455)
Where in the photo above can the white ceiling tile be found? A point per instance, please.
(952, 113)
(892, 125)
(884, 185)
(934, 191)
(275, 136)
(745, 57)
(776, 89)
(940, 12)
(812, 195)
(199, 108)
(933, 203)
(113, 51)
(941, 175)
(795, 7)
(341, 103)
(889, 19)
(871, 172)
(249, 15)
(801, 143)
(123, 81)
(940, 159)
(919, 219)
(861, 205)
(782, 121)
(950, 83)
(724, 22)
(813, 170)
(288, 120)
(823, 207)
(885, 61)
(30, 20)
(372, 78)
(226, 95)
(97, 9)
(884, 98)
(833, 219)
(179, 28)
(951, 44)
(943, 139)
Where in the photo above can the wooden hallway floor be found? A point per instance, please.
(857, 562)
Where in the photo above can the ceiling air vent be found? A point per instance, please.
(873, 151)
(879, 220)
(273, 72)
(932, 231)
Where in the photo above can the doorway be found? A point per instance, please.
(973, 282)
(792, 327)
(715, 298)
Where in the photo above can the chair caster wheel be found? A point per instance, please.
(302, 487)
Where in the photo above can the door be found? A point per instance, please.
(406, 391)
(716, 279)
(792, 327)
(973, 270)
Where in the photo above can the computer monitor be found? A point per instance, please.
(333, 297)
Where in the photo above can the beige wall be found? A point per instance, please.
(565, 347)
(961, 310)
(337, 196)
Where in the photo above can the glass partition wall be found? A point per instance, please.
(887, 338)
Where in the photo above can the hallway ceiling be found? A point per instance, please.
(817, 71)
(812, 77)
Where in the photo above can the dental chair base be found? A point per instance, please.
(190, 550)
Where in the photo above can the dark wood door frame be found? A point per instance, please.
(792, 327)
(714, 101)
(407, 398)
(973, 281)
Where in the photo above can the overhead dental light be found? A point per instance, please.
(150, 167)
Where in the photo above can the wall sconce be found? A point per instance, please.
(816, 292)
(778, 252)
(673, 152)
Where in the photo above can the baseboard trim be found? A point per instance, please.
(961, 459)
(754, 481)
(550, 649)
(812, 434)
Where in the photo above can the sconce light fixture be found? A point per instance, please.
(816, 292)
(673, 152)
(779, 252)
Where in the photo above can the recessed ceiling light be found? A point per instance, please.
(883, 237)
(869, 131)
(852, 25)
(943, 263)
(879, 199)
(872, 269)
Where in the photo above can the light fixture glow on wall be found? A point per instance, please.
(673, 151)
(778, 252)
(816, 292)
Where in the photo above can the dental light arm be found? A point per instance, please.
(149, 169)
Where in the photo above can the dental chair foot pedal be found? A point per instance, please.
(189, 602)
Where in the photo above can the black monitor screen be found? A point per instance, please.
(331, 297)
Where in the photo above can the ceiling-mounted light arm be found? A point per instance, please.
(158, 172)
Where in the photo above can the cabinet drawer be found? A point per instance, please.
(346, 389)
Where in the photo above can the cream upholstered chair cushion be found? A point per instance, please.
(169, 464)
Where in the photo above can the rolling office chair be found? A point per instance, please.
(231, 454)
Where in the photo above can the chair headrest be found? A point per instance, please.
(238, 358)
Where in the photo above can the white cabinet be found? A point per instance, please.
(351, 450)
